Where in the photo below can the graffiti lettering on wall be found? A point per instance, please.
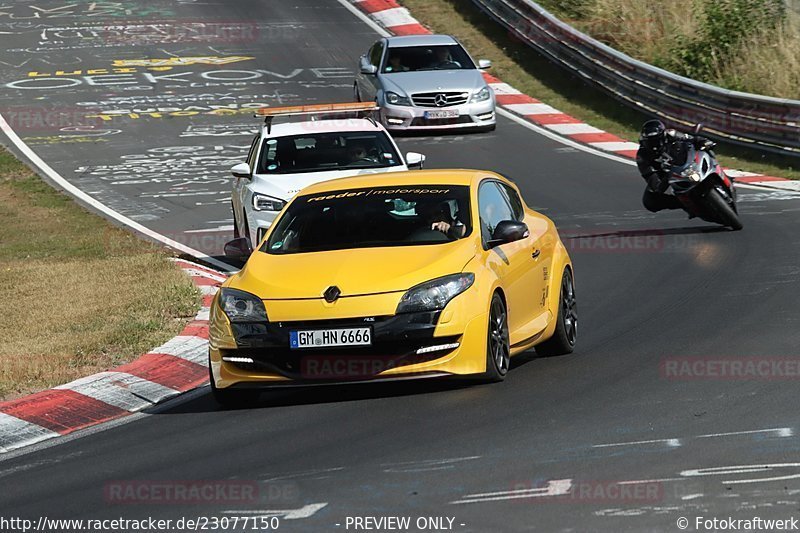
(182, 167)
(178, 79)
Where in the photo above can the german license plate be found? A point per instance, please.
(326, 338)
(449, 113)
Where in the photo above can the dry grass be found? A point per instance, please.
(767, 63)
(80, 296)
(638, 28)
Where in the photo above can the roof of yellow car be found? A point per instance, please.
(411, 177)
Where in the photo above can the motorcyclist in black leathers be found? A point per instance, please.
(659, 149)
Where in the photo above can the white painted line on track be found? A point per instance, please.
(672, 443)
(426, 465)
(304, 474)
(365, 18)
(74, 191)
(288, 514)
(645, 481)
(556, 487)
(563, 140)
(781, 432)
(691, 496)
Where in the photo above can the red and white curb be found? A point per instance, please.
(397, 20)
(175, 367)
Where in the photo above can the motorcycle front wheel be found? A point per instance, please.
(722, 211)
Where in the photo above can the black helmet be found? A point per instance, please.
(652, 136)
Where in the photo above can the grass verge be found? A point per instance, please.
(517, 64)
(81, 295)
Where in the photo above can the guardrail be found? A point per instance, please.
(762, 122)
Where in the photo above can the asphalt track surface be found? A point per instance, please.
(651, 288)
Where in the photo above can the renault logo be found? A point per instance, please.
(440, 100)
(332, 294)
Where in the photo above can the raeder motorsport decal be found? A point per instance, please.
(415, 189)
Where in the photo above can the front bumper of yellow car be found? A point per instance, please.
(450, 342)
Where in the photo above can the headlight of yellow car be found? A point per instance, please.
(434, 294)
(241, 306)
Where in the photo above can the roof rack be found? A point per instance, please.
(269, 113)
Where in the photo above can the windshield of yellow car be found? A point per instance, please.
(319, 152)
(372, 217)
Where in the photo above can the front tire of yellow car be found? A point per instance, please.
(498, 347)
(232, 398)
(566, 334)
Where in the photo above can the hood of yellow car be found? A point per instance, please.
(356, 272)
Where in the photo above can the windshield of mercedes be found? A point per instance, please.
(319, 152)
(418, 58)
(372, 217)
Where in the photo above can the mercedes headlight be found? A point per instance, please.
(435, 294)
(481, 96)
(262, 202)
(396, 99)
(241, 306)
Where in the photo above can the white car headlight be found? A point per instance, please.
(241, 306)
(396, 99)
(481, 96)
(262, 202)
(434, 294)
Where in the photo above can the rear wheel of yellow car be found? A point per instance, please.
(566, 334)
(498, 348)
(234, 398)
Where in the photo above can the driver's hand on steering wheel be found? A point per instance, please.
(442, 226)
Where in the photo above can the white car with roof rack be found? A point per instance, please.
(286, 157)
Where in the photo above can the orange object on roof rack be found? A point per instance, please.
(317, 108)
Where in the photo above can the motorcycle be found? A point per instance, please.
(703, 187)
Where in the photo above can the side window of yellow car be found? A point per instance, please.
(514, 201)
(493, 206)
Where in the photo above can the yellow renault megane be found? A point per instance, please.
(385, 277)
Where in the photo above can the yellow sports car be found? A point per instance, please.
(395, 276)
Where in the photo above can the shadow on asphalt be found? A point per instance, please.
(340, 393)
(649, 232)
